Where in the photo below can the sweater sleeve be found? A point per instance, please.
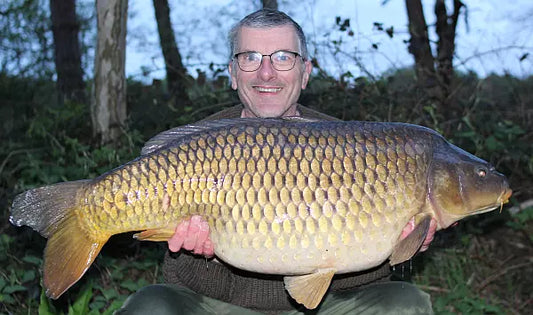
(247, 289)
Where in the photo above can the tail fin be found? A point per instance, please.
(43, 208)
(70, 250)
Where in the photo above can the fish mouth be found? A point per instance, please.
(505, 195)
(502, 199)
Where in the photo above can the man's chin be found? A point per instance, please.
(274, 110)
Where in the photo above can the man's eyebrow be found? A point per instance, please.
(273, 51)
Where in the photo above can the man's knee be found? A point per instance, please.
(381, 298)
(158, 299)
(398, 297)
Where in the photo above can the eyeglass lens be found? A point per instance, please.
(281, 60)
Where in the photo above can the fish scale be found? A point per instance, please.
(316, 193)
(304, 199)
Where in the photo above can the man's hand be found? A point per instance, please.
(429, 236)
(192, 235)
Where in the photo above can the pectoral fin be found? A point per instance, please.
(410, 245)
(309, 289)
(155, 235)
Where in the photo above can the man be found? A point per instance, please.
(269, 68)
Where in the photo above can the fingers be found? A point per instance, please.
(209, 249)
(193, 235)
(202, 235)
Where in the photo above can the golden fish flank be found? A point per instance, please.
(298, 198)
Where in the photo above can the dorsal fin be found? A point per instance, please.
(168, 136)
(297, 119)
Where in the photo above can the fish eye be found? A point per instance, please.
(481, 172)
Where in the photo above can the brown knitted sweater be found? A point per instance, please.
(251, 290)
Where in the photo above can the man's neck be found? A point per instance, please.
(291, 111)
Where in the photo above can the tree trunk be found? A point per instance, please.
(446, 27)
(177, 78)
(437, 83)
(108, 108)
(419, 47)
(65, 28)
(270, 4)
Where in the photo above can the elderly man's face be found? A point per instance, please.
(268, 92)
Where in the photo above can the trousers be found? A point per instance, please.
(393, 297)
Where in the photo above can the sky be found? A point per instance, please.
(493, 41)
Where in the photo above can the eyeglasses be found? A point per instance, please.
(281, 60)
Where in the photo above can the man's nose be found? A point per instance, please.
(266, 70)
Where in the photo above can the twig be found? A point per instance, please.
(523, 306)
(491, 51)
(503, 272)
(10, 154)
(433, 288)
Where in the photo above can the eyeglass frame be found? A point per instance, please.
(235, 58)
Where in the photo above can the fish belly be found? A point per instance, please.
(305, 253)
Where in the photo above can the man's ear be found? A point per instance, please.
(308, 67)
(233, 75)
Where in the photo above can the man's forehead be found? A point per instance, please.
(268, 39)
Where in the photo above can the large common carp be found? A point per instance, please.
(304, 199)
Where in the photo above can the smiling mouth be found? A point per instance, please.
(267, 90)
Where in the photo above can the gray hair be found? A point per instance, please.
(266, 18)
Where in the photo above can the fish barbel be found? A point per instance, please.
(294, 197)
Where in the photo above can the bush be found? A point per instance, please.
(44, 143)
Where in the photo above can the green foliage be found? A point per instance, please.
(452, 268)
(17, 283)
(523, 221)
(45, 143)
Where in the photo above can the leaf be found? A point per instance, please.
(6, 299)
(129, 284)
(81, 305)
(28, 275)
(493, 144)
(95, 306)
(10, 289)
(44, 306)
(32, 260)
(390, 31)
(109, 294)
(113, 307)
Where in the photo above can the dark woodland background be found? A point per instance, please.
(60, 123)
